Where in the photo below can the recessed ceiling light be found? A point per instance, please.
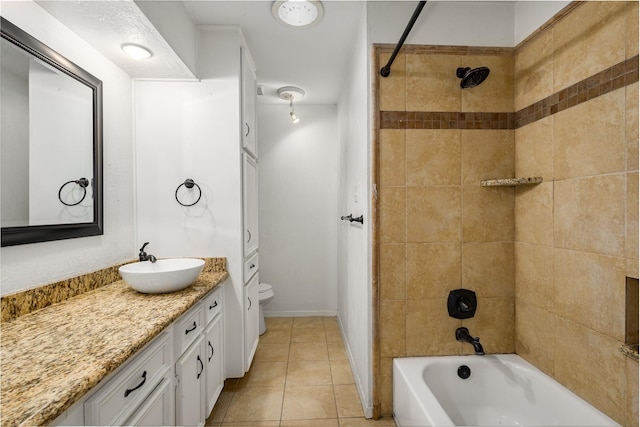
(136, 52)
(298, 13)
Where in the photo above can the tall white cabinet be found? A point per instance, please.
(250, 241)
(205, 130)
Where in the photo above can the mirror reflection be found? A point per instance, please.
(50, 143)
(47, 132)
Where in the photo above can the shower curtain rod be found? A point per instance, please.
(386, 70)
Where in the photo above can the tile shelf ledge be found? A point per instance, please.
(630, 350)
(511, 182)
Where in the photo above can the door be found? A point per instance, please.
(250, 204)
(190, 391)
(252, 320)
(214, 364)
(249, 94)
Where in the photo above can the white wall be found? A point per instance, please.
(530, 15)
(460, 23)
(298, 213)
(452, 23)
(172, 21)
(354, 197)
(33, 265)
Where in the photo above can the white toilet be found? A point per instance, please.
(266, 294)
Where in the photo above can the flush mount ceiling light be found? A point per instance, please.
(288, 93)
(136, 52)
(298, 13)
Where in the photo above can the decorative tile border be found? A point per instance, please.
(21, 303)
(615, 77)
(445, 120)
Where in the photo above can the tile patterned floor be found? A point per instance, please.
(300, 377)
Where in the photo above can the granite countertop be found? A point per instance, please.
(50, 358)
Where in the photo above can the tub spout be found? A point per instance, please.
(462, 334)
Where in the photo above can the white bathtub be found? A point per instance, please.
(502, 390)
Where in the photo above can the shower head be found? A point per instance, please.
(472, 78)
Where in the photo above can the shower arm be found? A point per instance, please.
(386, 70)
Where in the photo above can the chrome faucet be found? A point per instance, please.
(462, 334)
(143, 255)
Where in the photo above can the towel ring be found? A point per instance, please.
(82, 182)
(189, 183)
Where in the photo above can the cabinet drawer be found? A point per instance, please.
(188, 327)
(251, 266)
(157, 410)
(120, 397)
(212, 305)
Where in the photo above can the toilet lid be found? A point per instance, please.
(264, 287)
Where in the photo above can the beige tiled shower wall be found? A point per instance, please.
(439, 229)
(548, 262)
(576, 234)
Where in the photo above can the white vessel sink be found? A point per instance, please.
(162, 276)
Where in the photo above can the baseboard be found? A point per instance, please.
(368, 410)
(324, 313)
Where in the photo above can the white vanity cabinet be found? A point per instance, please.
(130, 394)
(174, 380)
(199, 365)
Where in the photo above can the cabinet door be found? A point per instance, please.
(190, 391)
(157, 409)
(214, 363)
(249, 95)
(250, 204)
(252, 320)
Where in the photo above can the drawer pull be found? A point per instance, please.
(193, 328)
(249, 304)
(215, 304)
(128, 391)
(201, 367)
(252, 266)
(212, 351)
(249, 232)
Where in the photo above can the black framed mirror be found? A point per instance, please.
(50, 143)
